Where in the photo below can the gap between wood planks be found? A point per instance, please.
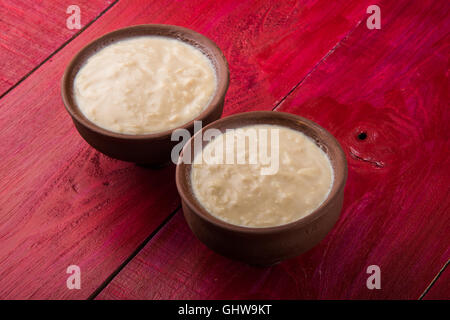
(58, 49)
(347, 35)
(134, 254)
(424, 293)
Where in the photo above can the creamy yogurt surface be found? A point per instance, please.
(239, 194)
(144, 84)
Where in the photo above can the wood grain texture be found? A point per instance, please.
(62, 203)
(392, 85)
(441, 288)
(32, 30)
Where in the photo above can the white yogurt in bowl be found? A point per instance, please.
(144, 84)
(239, 194)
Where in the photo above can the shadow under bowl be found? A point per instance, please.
(153, 148)
(268, 245)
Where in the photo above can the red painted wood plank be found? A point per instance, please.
(440, 290)
(32, 30)
(62, 203)
(393, 85)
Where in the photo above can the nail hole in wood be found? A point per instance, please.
(362, 136)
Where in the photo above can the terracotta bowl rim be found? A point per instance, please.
(90, 48)
(338, 185)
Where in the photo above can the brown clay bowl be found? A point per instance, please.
(153, 148)
(265, 246)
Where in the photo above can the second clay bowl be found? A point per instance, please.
(267, 245)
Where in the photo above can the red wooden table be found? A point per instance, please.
(383, 93)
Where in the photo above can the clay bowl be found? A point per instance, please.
(153, 148)
(265, 246)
